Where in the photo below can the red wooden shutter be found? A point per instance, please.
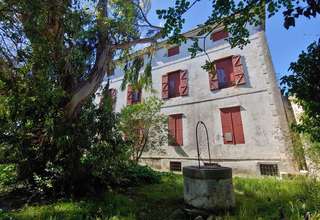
(176, 79)
(172, 130)
(183, 88)
(179, 131)
(165, 86)
(129, 95)
(238, 70)
(219, 35)
(227, 130)
(237, 126)
(213, 81)
(173, 51)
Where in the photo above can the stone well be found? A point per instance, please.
(208, 188)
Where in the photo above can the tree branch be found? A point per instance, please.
(129, 44)
(145, 17)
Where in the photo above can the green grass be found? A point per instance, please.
(256, 199)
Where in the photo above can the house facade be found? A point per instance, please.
(241, 106)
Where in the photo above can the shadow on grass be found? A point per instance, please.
(266, 198)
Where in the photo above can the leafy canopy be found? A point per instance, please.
(304, 85)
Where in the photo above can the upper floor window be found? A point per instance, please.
(219, 35)
(229, 72)
(173, 51)
(133, 96)
(224, 71)
(175, 84)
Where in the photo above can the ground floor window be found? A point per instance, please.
(269, 169)
(175, 166)
(175, 130)
(232, 128)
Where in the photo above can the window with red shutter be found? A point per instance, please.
(165, 86)
(183, 88)
(133, 96)
(232, 127)
(175, 130)
(238, 70)
(229, 72)
(136, 97)
(219, 35)
(173, 51)
(174, 84)
(224, 71)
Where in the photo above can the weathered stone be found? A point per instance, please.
(264, 121)
(208, 188)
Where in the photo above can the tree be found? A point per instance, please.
(54, 55)
(234, 16)
(144, 127)
(304, 85)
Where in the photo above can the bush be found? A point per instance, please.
(144, 127)
(136, 174)
(7, 175)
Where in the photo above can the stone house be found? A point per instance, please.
(241, 107)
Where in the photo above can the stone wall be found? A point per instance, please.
(265, 126)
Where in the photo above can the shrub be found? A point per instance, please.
(7, 175)
(136, 174)
(144, 127)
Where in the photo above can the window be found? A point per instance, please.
(173, 51)
(269, 169)
(175, 84)
(175, 130)
(219, 35)
(224, 70)
(113, 95)
(133, 96)
(229, 72)
(175, 166)
(232, 128)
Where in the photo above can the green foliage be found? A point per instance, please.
(234, 16)
(144, 126)
(262, 198)
(303, 85)
(133, 76)
(55, 156)
(135, 174)
(7, 175)
(53, 58)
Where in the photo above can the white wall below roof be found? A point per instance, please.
(263, 119)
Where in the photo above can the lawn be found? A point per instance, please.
(264, 198)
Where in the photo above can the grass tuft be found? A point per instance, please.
(256, 198)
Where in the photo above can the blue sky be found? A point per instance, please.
(285, 45)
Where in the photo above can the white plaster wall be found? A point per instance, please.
(262, 112)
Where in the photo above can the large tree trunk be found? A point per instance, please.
(88, 88)
(97, 73)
